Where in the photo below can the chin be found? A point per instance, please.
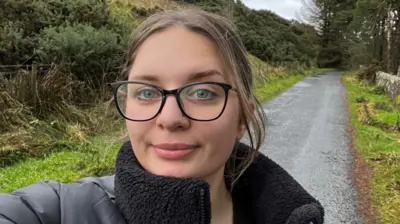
(174, 173)
(174, 170)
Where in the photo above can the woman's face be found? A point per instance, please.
(170, 144)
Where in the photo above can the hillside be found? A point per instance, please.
(266, 35)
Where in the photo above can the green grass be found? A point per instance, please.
(280, 83)
(95, 157)
(275, 86)
(379, 147)
(325, 70)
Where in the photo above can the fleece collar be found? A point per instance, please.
(266, 193)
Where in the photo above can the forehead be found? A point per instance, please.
(174, 54)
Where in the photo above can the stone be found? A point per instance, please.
(390, 83)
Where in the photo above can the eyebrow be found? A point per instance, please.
(192, 77)
(204, 74)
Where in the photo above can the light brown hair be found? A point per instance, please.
(235, 58)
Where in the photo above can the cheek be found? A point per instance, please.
(137, 131)
(223, 132)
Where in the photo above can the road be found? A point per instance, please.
(308, 136)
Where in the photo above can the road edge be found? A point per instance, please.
(361, 172)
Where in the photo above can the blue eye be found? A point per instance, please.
(203, 94)
(147, 94)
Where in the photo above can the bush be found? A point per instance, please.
(369, 73)
(93, 12)
(379, 90)
(14, 45)
(383, 106)
(36, 15)
(31, 16)
(89, 52)
(22, 21)
(122, 22)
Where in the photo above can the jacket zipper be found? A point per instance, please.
(202, 207)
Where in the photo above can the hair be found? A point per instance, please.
(235, 58)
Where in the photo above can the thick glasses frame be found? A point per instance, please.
(165, 93)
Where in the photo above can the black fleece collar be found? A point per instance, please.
(267, 192)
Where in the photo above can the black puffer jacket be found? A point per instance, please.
(267, 193)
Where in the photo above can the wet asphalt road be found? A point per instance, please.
(308, 136)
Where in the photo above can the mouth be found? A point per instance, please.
(173, 151)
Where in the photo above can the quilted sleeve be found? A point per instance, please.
(35, 204)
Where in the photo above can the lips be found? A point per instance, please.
(175, 146)
(173, 151)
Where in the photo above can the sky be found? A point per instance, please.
(285, 8)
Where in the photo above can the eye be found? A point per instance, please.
(200, 92)
(203, 94)
(147, 94)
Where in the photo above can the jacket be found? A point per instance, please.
(267, 193)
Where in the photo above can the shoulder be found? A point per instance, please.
(312, 213)
(105, 184)
(28, 200)
(274, 195)
(297, 205)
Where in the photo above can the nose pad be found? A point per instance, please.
(171, 102)
(171, 115)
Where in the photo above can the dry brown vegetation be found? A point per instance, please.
(43, 113)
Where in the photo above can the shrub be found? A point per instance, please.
(15, 47)
(89, 52)
(369, 73)
(93, 12)
(22, 21)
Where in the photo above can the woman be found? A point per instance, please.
(187, 102)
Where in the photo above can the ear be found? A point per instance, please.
(242, 126)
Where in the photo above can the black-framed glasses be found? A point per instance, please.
(199, 101)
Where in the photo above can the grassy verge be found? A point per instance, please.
(276, 86)
(94, 157)
(279, 84)
(375, 120)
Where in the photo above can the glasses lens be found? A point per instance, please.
(203, 101)
(138, 101)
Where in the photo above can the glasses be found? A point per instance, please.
(200, 101)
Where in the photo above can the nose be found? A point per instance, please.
(171, 116)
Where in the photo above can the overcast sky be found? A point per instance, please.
(284, 8)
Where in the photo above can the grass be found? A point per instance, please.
(378, 142)
(280, 83)
(95, 157)
(276, 86)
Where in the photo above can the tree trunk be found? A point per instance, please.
(389, 22)
(396, 41)
(382, 40)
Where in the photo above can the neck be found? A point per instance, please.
(221, 201)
